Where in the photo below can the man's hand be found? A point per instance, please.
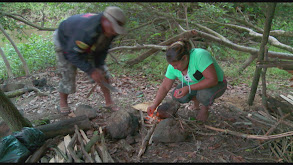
(98, 76)
(181, 92)
(151, 109)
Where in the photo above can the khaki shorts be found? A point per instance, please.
(204, 96)
(67, 70)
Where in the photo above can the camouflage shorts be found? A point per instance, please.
(67, 70)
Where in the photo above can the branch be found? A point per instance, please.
(245, 23)
(281, 33)
(272, 40)
(138, 47)
(27, 22)
(217, 38)
(243, 48)
(261, 137)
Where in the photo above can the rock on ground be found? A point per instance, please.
(169, 130)
(122, 124)
(87, 110)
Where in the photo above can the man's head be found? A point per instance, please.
(114, 20)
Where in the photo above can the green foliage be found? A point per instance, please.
(38, 53)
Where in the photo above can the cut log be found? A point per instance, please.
(65, 127)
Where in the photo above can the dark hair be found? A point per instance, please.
(177, 50)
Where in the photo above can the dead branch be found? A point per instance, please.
(280, 64)
(39, 153)
(186, 34)
(126, 146)
(21, 91)
(281, 33)
(95, 155)
(102, 149)
(258, 29)
(26, 22)
(260, 137)
(60, 154)
(272, 40)
(138, 47)
(71, 151)
(275, 126)
(87, 156)
(92, 90)
(67, 140)
(93, 140)
(146, 140)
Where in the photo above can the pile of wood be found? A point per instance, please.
(77, 148)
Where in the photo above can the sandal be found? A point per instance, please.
(112, 108)
(64, 110)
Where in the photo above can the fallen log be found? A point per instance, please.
(65, 127)
(21, 91)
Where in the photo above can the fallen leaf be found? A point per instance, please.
(71, 114)
(215, 146)
(142, 106)
(237, 158)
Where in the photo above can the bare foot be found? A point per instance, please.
(195, 104)
(203, 114)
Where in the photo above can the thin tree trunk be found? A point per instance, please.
(9, 71)
(267, 28)
(11, 115)
(25, 67)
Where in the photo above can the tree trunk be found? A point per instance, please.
(267, 28)
(11, 115)
(9, 71)
(25, 67)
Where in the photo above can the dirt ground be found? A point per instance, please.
(204, 145)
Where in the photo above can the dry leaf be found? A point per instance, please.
(71, 114)
(142, 106)
(237, 158)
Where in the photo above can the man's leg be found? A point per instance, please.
(67, 71)
(63, 100)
